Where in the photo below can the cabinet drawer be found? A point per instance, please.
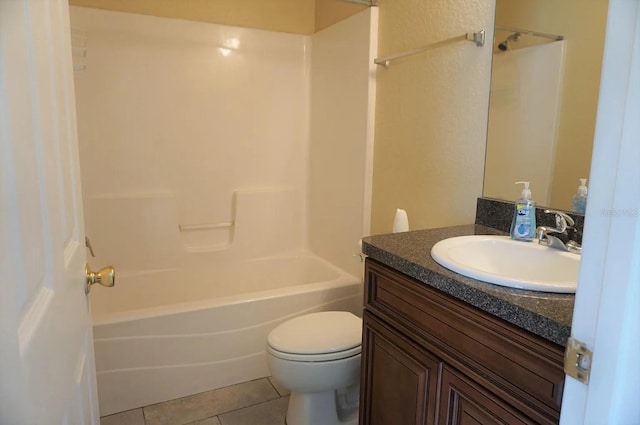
(514, 364)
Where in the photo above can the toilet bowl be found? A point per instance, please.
(317, 357)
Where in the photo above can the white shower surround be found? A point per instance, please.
(171, 128)
(175, 130)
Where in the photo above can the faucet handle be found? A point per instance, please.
(541, 233)
(575, 247)
(563, 220)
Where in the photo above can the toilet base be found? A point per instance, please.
(324, 408)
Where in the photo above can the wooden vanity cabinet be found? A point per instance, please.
(428, 358)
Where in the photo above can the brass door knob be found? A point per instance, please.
(106, 276)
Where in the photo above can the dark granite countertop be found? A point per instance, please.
(544, 314)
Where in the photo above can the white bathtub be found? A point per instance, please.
(168, 334)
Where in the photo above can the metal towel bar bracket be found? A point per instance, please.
(476, 37)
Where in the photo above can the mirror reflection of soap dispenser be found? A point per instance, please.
(579, 201)
(523, 226)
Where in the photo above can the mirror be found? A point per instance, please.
(544, 95)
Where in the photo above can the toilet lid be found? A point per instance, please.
(318, 333)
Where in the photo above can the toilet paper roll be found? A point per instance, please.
(401, 221)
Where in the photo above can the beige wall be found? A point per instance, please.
(431, 114)
(292, 16)
(582, 23)
(328, 12)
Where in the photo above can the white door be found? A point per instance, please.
(607, 308)
(47, 373)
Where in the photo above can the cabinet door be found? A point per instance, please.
(399, 380)
(462, 402)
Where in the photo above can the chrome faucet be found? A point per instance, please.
(563, 222)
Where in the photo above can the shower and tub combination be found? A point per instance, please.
(238, 189)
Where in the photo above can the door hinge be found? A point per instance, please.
(577, 360)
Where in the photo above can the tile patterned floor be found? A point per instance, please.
(259, 402)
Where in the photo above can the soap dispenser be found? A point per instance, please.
(579, 200)
(523, 226)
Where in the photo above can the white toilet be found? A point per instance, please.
(317, 357)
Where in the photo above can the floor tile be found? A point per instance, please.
(269, 413)
(208, 421)
(278, 386)
(130, 417)
(211, 403)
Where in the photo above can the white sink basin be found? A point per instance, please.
(503, 261)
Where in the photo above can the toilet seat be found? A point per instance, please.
(317, 337)
(318, 357)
